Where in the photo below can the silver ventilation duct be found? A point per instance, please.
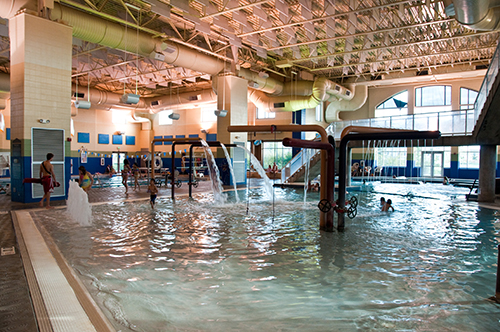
(476, 14)
(97, 30)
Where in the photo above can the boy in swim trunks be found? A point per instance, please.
(48, 179)
(153, 192)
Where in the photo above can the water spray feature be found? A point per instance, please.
(77, 205)
(268, 186)
(231, 170)
(213, 171)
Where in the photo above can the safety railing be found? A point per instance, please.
(296, 163)
(450, 123)
(488, 81)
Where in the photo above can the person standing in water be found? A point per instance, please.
(382, 202)
(387, 206)
(48, 179)
(125, 173)
(86, 179)
(137, 175)
(153, 192)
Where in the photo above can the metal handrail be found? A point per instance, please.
(450, 123)
(488, 81)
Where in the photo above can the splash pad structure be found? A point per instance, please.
(357, 133)
(327, 146)
(327, 172)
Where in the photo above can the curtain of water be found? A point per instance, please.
(213, 171)
(77, 205)
(307, 154)
(230, 164)
(268, 187)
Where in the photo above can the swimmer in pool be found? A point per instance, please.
(387, 206)
(382, 202)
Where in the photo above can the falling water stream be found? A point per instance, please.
(306, 153)
(213, 171)
(268, 186)
(230, 164)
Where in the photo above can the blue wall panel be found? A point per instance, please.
(129, 140)
(103, 138)
(83, 137)
(117, 139)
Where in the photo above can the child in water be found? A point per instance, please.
(382, 202)
(86, 180)
(153, 191)
(387, 206)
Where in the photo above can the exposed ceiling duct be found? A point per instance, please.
(359, 99)
(292, 95)
(107, 99)
(322, 90)
(476, 14)
(9, 8)
(182, 101)
(96, 30)
(145, 122)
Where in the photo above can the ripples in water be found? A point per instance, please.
(192, 265)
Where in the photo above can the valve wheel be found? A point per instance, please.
(324, 205)
(351, 212)
(353, 201)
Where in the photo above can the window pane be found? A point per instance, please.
(438, 95)
(262, 114)
(394, 106)
(468, 156)
(275, 152)
(395, 157)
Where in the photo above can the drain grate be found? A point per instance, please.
(8, 251)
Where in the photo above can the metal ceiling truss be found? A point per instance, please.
(342, 40)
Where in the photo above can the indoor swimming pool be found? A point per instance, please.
(258, 266)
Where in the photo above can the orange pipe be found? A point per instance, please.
(367, 130)
(324, 217)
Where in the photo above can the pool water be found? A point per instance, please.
(193, 266)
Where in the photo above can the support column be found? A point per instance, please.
(487, 168)
(232, 95)
(40, 74)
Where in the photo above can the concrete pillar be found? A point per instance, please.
(487, 168)
(40, 80)
(232, 95)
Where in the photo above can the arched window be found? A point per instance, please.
(436, 98)
(467, 98)
(396, 105)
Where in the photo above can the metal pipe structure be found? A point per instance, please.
(365, 136)
(173, 151)
(198, 144)
(298, 128)
(330, 174)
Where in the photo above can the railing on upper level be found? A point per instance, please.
(488, 81)
(450, 123)
(296, 163)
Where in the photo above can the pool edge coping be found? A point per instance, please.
(46, 262)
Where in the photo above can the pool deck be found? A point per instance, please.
(17, 311)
